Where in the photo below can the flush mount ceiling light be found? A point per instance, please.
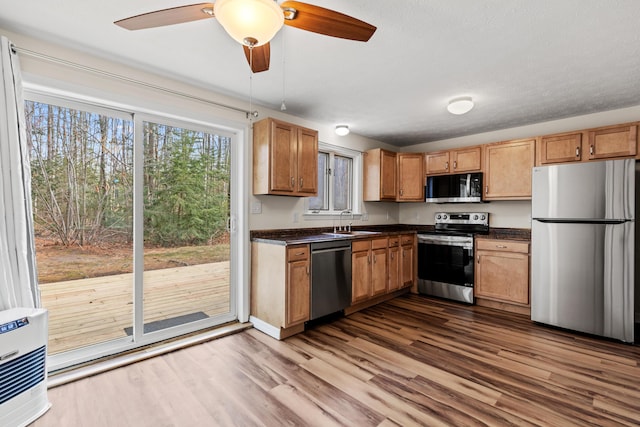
(342, 130)
(460, 105)
(249, 22)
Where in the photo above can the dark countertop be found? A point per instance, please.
(297, 236)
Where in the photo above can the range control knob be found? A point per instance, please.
(438, 216)
(444, 217)
(475, 217)
(483, 217)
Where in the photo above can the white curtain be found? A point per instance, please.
(18, 278)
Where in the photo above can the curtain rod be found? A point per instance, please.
(55, 60)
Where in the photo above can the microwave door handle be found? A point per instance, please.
(468, 185)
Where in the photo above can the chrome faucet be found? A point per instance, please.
(341, 228)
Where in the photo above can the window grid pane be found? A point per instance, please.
(342, 182)
(321, 201)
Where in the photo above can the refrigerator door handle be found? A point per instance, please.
(580, 221)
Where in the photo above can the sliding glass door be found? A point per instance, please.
(131, 224)
(186, 197)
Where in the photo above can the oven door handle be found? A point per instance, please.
(437, 242)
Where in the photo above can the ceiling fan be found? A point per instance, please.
(253, 23)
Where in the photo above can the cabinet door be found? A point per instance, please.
(388, 175)
(613, 141)
(466, 160)
(502, 276)
(560, 148)
(283, 157)
(307, 162)
(394, 268)
(407, 266)
(360, 276)
(410, 177)
(379, 276)
(298, 292)
(508, 170)
(437, 163)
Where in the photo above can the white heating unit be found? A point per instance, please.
(23, 371)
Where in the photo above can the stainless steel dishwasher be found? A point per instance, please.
(330, 277)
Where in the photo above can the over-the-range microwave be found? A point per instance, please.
(459, 188)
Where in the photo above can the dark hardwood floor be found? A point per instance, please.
(410, 361)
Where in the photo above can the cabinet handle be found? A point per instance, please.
(300, 183)
(392, 255)
(374, 259)
(308, 271)
(486, 189)
(299, 253)
(455, 164)
(401, 192)
(577, 151)
(478, 259)
(446, 166)
(591, 149)
(293, 182)
(369, 259)
(501, 246)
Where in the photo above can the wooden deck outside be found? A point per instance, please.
(89, 311)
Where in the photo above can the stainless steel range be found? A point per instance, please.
(446, 255)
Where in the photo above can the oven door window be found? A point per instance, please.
(445, 263)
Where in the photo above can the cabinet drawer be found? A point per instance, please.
(296, 253)
(360, 245)
(394, 241)
(379, 243)
(502, 245)
(406, 240)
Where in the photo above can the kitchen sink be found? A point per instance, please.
(351, 233)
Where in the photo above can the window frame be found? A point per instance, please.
(356, 183)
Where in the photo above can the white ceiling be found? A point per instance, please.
(522, 61)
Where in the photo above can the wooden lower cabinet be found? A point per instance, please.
(393, 255)
(408, 262)
(360, 271)
(382, 265)
(502, 271)
(379, 267)
(280, 288)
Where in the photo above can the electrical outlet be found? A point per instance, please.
(256, 207)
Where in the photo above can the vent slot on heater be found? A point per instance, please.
(22, 374)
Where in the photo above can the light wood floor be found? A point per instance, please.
(89, 311)
(410, 361)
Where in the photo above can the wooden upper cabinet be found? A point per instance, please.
(380, 176)
(460, 160)
(613, 141)
(437, 163)
(467, 159)
(610, 142)
(508, 170)
(561, 148)
(285, 159)
(410, 177)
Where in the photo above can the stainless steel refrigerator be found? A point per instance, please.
(583, 243)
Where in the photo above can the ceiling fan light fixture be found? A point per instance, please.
(249, 22)
(460, 105)
(342, 130)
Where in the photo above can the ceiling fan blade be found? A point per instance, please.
(260, 60)
(328, 22)
(174, 15)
